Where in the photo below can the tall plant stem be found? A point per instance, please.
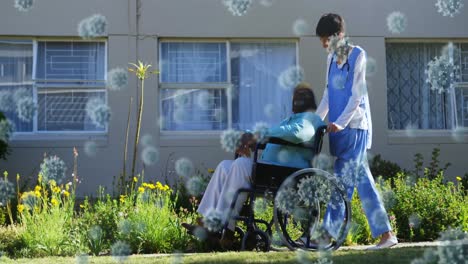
(123, 179)
(137, 135)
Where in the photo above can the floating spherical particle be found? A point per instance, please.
(24, 5)
(300, 27)
(98, 111)
(53, 168)
(449, 7)
(6, 129)
(230, 140)
(196, 185)
(26, 108)
(7, 191)
(397, 22)
(291, 77)
(150, 155)
(120, 250)
(238, 7)
(90, 148)
(371, 66)
(117, 79)
(93, 27)
(184, 167)
(260, 130)
(7, 102)
(213, 221)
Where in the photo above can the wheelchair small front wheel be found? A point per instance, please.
(256, 240)
(311, 211)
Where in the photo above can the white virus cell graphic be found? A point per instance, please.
(340, 46)
(339, 82)
(204, 100)
(269, 110)
(414, 221)
(53, 168)
(300, 27)
(260, 130)
(26, 108)
(7, 191)
(260, 205)
(24, 5)
(93, 27)
(196, 185)
(266, 3)
(442, 74)
(397, 22)
(117, 79)
(120, 251)
(238, 7)
(449, 8)
(98, 111)
(230, 140)
(147, 140)
(213, 221)
(411, 129)
(184, 167)
(314, 189)
(291, 77)
(149, 155)
(371, 66)
(323, 161)
(6, 129)
(90, 148)
(7, 101)
(287, 200)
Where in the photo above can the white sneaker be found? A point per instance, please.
(392, 241)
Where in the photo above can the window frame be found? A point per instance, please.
(425, 136)
(36, 134)
(187, 134)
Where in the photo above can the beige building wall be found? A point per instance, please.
(366, 23)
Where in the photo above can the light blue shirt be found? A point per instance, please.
(298, 128)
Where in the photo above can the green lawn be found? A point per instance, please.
(397, 255)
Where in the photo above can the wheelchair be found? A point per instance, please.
(308, 191)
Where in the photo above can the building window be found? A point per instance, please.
(60, 76)
(208, 86)
(411, 102)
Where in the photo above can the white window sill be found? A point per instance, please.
(28, 140)
(400, 137)
(190, 138)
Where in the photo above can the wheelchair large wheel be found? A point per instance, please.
(300, 206)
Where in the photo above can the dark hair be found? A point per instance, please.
(303, 99)
(329, 25)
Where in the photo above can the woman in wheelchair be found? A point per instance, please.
(232, 175)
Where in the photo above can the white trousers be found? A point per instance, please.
(229, 176)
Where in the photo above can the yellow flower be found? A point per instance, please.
(39, 178)
(37, 188)
(20, 208)
(141, 190)
(52, 183)
(67, 186)
(17, 176)
(151, 186)
(135, 179)
(210, 170)
(56, 189)
(37, 193)
(82, 206)
(166, 187)
(5, 173)
(122, 198)
(54, 202)
(66, 193)
(459, 178)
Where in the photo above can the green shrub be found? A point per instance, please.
(103, 214)
(47, 217)
(11, 240)
(152, 226)
(383, 168)
(436, 204)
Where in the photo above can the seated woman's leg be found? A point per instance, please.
(238, 177)
(213, 190)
